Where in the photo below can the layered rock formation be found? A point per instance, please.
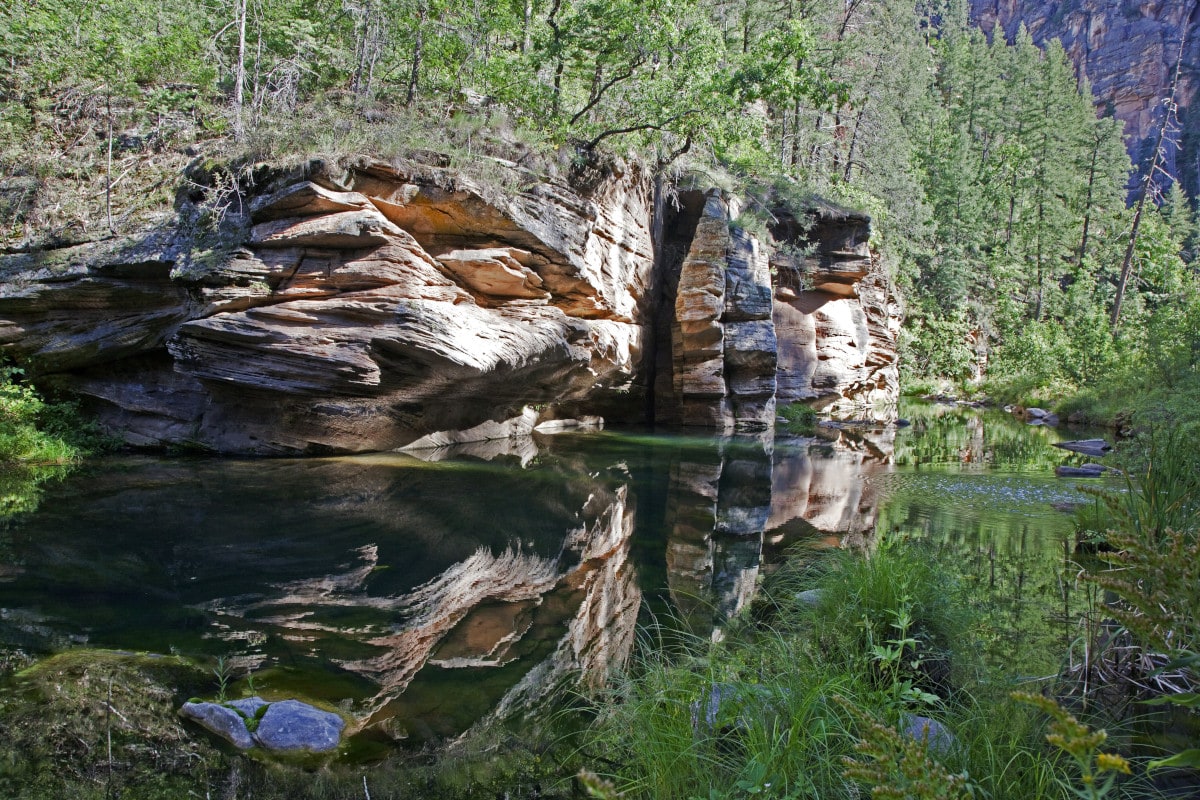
(1127, 50)
(723, 341)
(354, 310)
(836, 316)
(370, 306)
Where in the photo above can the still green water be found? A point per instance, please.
(427, 592)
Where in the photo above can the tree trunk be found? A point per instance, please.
(1147, 183)
(108, 167)
(239, 78)
(527, 42)
(556, 48)
(1087, 208)
(418, 54)
(1037, 310)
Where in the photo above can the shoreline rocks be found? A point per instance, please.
(287, 726)
(1096, 448)
(1084, 471)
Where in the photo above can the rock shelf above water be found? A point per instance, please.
(367, 306)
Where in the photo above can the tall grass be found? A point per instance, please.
(841, 647)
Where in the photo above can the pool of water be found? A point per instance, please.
(425, 593)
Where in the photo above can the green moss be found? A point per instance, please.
(60, 714)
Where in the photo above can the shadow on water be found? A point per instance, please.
(427, 592)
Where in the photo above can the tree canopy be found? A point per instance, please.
(999, 195)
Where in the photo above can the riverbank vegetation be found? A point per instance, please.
(39, 441)
(870, 673)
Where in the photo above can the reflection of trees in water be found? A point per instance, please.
(945, 435)
(21, 487)
(996, 530)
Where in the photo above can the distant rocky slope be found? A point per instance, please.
(1127, 49)
(369, 305)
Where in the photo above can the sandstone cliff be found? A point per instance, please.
(369, 306)
(1127, 50)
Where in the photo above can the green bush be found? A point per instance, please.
(39, 441)
(801, 419)
(21, 439)
(935, 344)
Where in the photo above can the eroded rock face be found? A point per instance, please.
(1127, 51)
(837, 318)
(723, 339)
(354, 309)
(369, 306)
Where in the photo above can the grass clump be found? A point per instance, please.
(1150, 533)
(818, 693)
(90, 723)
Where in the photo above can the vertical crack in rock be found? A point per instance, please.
(370, 306)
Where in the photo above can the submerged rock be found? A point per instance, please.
(1085, 471)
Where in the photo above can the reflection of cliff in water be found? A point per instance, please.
(496, 633)
(730, 502)
(426, 592)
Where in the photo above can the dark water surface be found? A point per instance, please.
(427, 592)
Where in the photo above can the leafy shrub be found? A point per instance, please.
(21, 440)
(935, 343)
(801, 419)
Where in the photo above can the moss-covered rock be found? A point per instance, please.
(86, 721)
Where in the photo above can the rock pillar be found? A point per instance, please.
(723, 336)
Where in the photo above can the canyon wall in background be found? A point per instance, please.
(1127, 49)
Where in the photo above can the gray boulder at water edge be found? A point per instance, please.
(292, 725)
(286, 726)
(1096, 448)
(1086, 471)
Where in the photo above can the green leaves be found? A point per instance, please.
(1186, 759)
(1185, 699)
